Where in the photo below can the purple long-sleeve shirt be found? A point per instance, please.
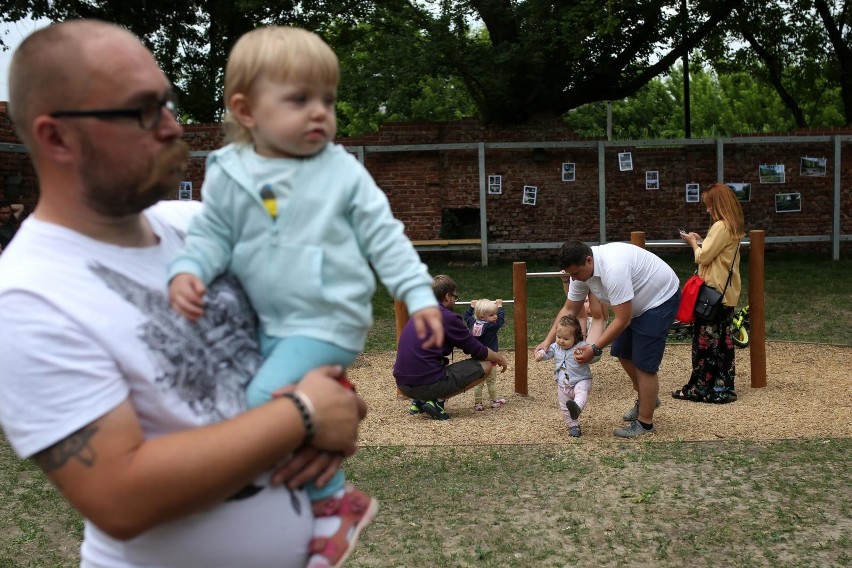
(416, 366)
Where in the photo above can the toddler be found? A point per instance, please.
(300, 222)
(484, 318)
(573, 380)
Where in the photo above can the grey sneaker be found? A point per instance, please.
(573, 409)
(575, 432)
(633, 413)
(633, 430)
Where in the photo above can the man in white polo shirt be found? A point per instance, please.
(644, 293)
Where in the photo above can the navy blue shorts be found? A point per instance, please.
(644, 341)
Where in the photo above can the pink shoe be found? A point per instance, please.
(498, 403)
(356, 510)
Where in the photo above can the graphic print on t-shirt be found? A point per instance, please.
(207, 363)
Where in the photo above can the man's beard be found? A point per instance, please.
(123, 193)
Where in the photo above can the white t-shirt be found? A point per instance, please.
(624, 272)
(86, 325)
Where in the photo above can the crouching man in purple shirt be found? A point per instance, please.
(426, 375)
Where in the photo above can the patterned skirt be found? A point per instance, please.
(713, 366)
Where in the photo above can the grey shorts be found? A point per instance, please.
(457, 378)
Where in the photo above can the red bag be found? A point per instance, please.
(688, 296)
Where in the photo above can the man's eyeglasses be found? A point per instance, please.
(148, 114)
(455, 296)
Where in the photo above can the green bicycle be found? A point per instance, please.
(680, 331)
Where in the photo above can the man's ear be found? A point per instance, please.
(240, 108)
(53, 138)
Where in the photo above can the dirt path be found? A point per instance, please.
(807, 396)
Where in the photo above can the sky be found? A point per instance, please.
(13, 34)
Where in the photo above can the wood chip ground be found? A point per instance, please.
(808, 394)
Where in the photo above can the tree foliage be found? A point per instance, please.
(727, 104)
(799, 47)
(513, 59)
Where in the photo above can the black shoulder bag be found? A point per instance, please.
(709, 306)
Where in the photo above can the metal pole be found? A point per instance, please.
(519, 291)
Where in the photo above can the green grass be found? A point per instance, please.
(784, 503)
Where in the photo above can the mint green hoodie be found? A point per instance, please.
(307, 271)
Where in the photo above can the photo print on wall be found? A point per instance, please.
(495, 185)
(771, 173)
(692, 192)
(652, 179)
(567, 171)
(813, 167)
(788, 202)
(741, 190)
(625, 161)
(185, 191)
(530, 194)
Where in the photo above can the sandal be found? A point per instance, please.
(497, 403)
(355, 510)
(679, 395)
(479, 406)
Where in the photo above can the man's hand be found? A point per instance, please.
(337, 410)
(584, 354)
(543, 346)
(336, 425)
(308, 464)
(429, 319)
(186, 296)
(498, 359)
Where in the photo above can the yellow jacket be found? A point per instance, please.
(714, 258)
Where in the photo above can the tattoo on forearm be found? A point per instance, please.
(76, 446)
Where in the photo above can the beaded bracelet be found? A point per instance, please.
(306, 410)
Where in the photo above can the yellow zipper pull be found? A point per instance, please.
(269, 201)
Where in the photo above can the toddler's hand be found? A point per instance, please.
(499, 302)
(539, 355)
(186, 296)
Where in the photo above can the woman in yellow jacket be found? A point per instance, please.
(713, 367)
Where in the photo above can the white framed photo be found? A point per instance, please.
(788, 202)
(692, 193)
(652, 179)
(813, 167)
(530, 194)
(771, 173)
(185, 191)
(625, 161)
(568, 169)
(495, 185)
(741, 189)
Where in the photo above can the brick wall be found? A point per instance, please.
(422, 184)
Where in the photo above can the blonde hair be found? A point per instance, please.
(724, 206)
(484, 308)
(279, 53)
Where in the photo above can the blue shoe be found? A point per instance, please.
(416, 407)
(435, 410)
(575, 432)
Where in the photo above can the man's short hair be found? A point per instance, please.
(443, 285)
(573, 253)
